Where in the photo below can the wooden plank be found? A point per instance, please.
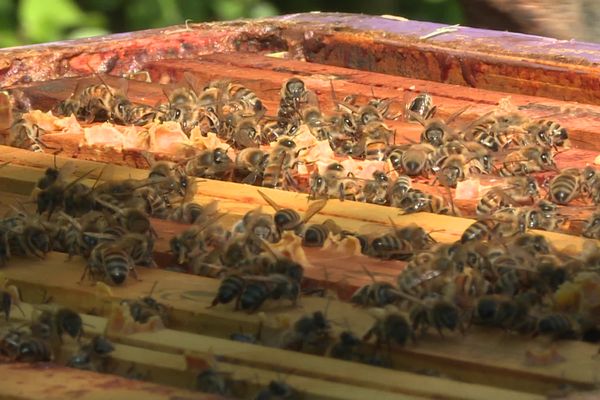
(471, 57)
(173, 369)
(33, 381)
(497, 356)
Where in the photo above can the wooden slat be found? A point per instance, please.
(33, 382)
(497, 356)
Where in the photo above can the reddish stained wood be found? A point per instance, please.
(472, 57)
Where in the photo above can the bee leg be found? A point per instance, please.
(134, 273)
(85, 272)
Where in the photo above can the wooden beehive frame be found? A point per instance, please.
(503, 62)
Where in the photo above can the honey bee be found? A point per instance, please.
(139, 247)
(591, 228)
(25, 135)
(193, 213)
(329, 184)
(54, 195)
(31, 349)
(451, 170)
(418, 201)
(559, 326)
(240, 132)
(390, 246)
(143, 309)
(436, 131)
(527, 160)
(422, 106)
(28, 237)
(141, 114)
(532, 244)
(310, 333)
(390, 327)
(293, 96)
(376, 294)
(251, 163)
(54, 324)
(278, 389)
(346, 347)
(412, 159)
(313, 118)
(376, 138)
(505, 312)
(102, 102)
(399, 189)
(92, 355)
(9, 297)
(315, 234)
(287, 219)
(440, 314)
(110, 263)
(251, 292)
(282, 159)
(211, 164)
(551, 132)
(565, 186)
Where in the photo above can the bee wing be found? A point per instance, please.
(456, 114)
(66, 170)
(313, 209)
(271, 202)
(193, 82)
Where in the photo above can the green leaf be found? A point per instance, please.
(262, 10)
(44, 21)
(87, 31)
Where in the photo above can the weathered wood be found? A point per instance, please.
(472, 57)
(34, 381)
(498, 356)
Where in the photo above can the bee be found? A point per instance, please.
(26, 135)
(527, 160)
(251, 163)
(211, 380)
(293, 96)
(92, 355)
(143, 309)
(240, 132)
(274, 286)
(376, 294)
(440, 314)
(287, 219)
(436, 131)
(532, 244)
(493, 200)
(346, 346)
(230, 289)
(510, 313)
(310, 333)
(282, 159)
(258, 224)
(30, 237)
(169, 177)
(451, 170)
(313, 118)
(33, 350)
(9, 297)
(329, 184)
(54, 324)
(552, 132)
(591, 228)
(376, 138)
(188, 244)
(390, 327)
(559, 326)
(102, 102)
(418, 201)
(139, 247)
(54, 196)
(278, 390)
(390, 246)
(480, 159)
(565, 186)
(211, 164)
(130, 219)
(109, 263)
(141, 114)
(421, 106)
(315, 234)
(482, 229)
(399, 189)
(193, 213)
(412, 159)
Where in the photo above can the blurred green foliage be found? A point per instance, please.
(37, 21)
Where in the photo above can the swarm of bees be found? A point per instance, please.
(498, 274)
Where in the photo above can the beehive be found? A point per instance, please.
(386, 56)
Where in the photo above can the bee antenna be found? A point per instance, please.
(152, 289)
(368, 272)
(101, 79)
